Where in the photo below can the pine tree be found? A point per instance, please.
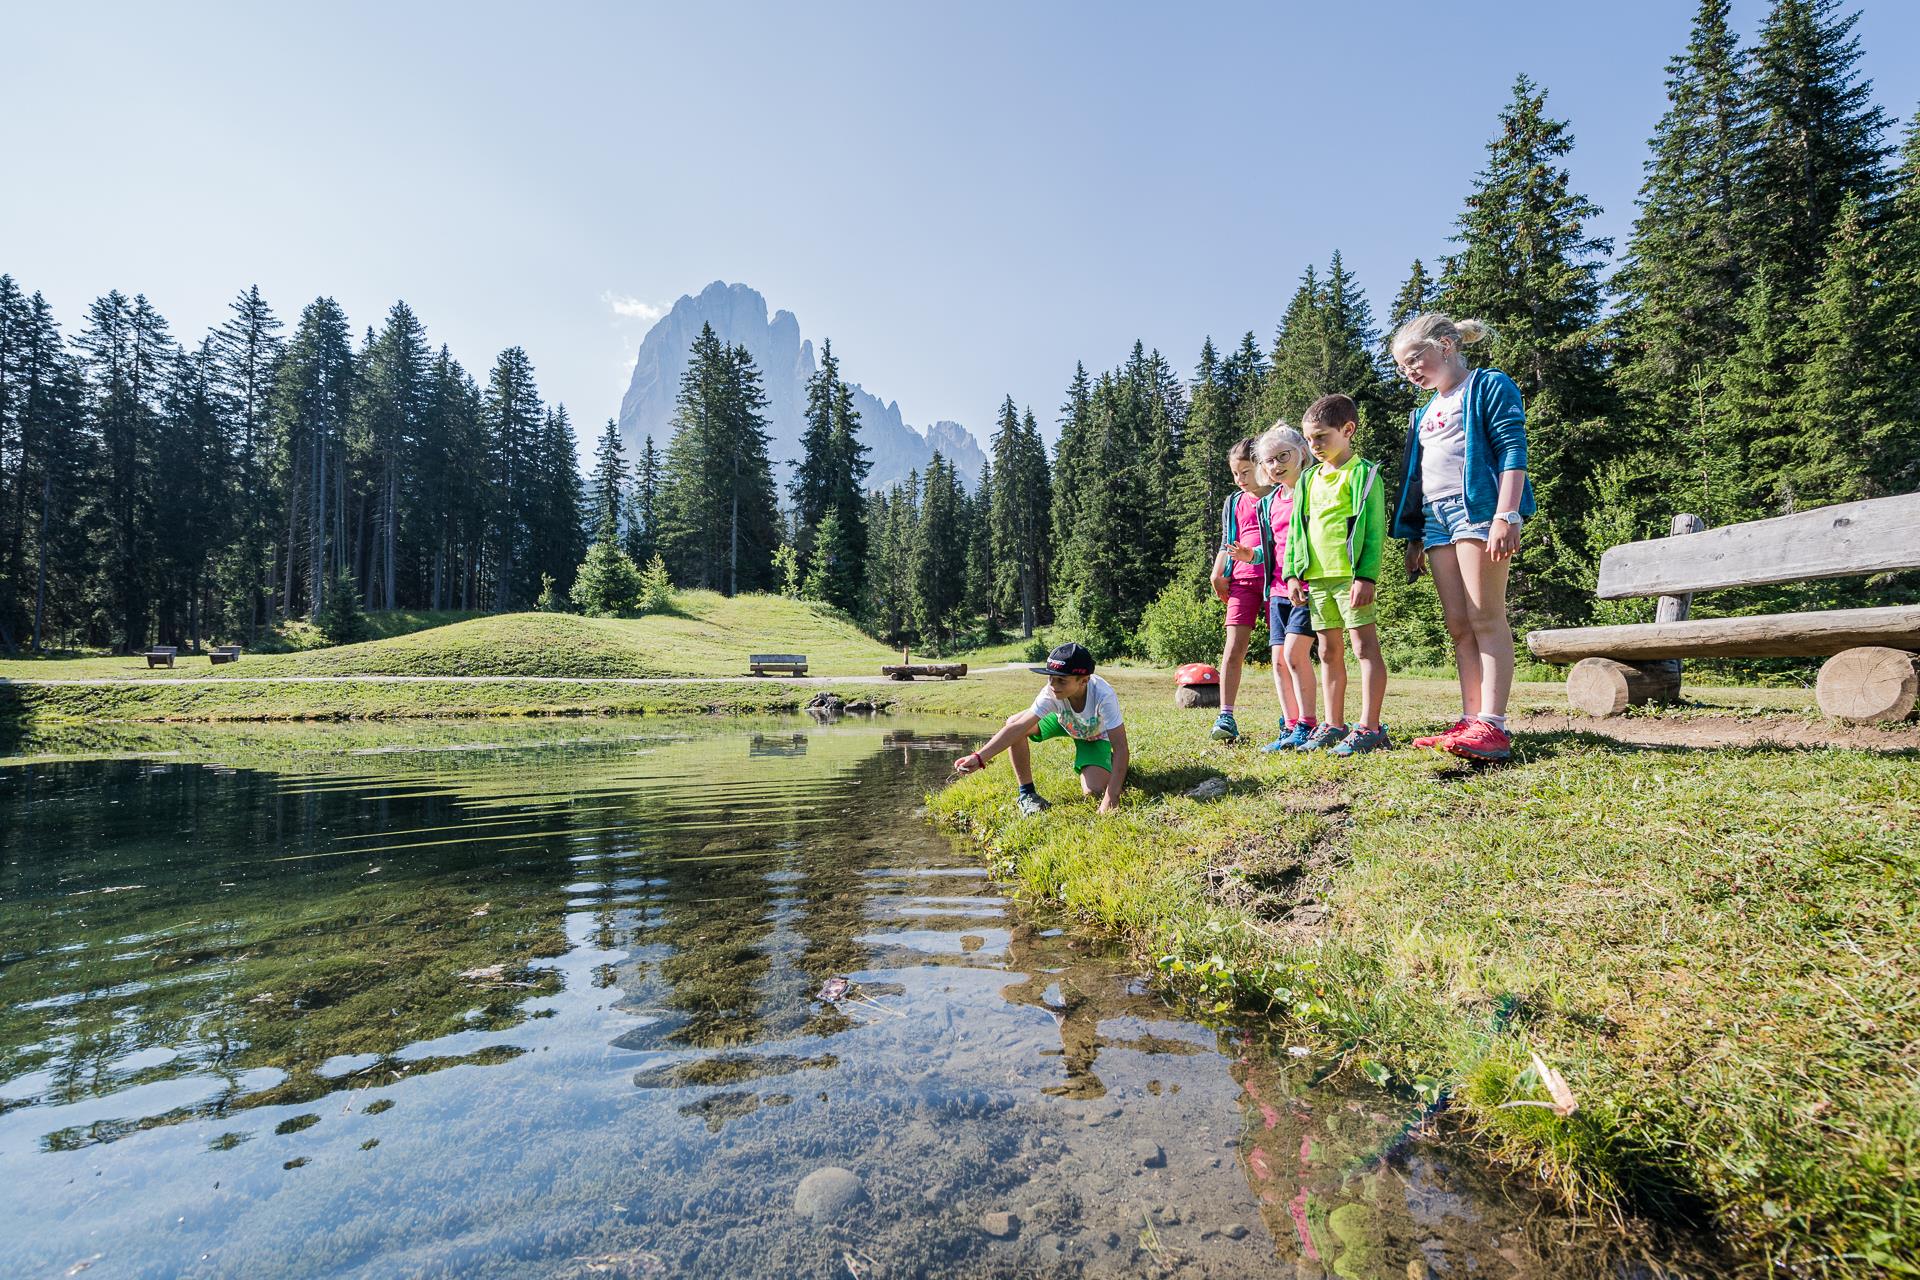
(1529, 267)
(1016, 516)
(248, 347)
(311, 408)
(1072, 477)
(939, 557)
(608, 490)
(815, 477)
(1820, 135)
(1691, 254)
(720, 521)
(390, 410)
(512, 419)
(643, 505)
(850, 470)
(558, 519)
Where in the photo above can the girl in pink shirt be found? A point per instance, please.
(1240, 583)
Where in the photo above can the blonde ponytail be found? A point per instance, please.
(1430, 328)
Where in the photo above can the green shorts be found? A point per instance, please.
(1328, 602)
(1095, 753)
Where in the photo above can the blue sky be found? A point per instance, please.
(965, 198)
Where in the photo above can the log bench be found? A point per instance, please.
(934, 670)
(792, 664)
(223, 653)
(1869, 673)
(162, 655)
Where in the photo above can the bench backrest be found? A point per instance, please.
(165, 649)
(1848, 538)
(779, 659)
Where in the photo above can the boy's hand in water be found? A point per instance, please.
(968, 763)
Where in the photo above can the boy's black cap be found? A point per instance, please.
(1067, 660)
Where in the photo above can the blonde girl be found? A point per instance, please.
(1282, 454)
(1464, 496)
(1237, 580)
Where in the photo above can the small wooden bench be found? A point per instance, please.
(763, 664)
(161, 655)
(223, 653)
(1869, 673)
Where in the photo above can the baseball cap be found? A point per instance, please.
(1067, 660)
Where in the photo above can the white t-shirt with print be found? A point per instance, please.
(1443, 445)
(1101, 714)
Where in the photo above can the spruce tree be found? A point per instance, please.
(1821, 135)
(512, 419)
(1691, 254)
(390, 410)
(608, 489)
(850, 470)
(248, 348)
(815, 480)
(643, 504)
(311, 407)
(1528, 266)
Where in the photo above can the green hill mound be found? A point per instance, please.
(708, 635)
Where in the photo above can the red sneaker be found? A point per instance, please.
(1439, 739)
(1478, 740)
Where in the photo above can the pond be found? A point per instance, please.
(636, 999)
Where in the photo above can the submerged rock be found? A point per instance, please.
(1000, 1225)
(827, 1193)
(1212, 789)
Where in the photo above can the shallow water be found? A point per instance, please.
(566, 1001)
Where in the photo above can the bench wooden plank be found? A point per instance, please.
(1849, 538)
(1766, 635)
(777, 659)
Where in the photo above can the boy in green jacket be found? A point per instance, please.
(1333, 558)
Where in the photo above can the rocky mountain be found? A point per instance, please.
(738, 315)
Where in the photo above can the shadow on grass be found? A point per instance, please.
(1534, 745)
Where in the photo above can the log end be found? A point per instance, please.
(1868, 684)
(1603, 687)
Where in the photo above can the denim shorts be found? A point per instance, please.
(1447, 523)
(1285, 618)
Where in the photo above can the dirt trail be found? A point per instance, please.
(1729, 731)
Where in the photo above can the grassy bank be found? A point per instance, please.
(1715, 947)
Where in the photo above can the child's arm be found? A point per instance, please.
(1222, 587)
(1366, 567)
(1019, 726)
(1117, 776)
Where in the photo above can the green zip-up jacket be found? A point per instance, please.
(1366, 532)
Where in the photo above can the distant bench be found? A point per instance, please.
(766, 664)
(223, 653)
(161, 655)
(1870, 674)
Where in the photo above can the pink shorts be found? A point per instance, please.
(1245, 607)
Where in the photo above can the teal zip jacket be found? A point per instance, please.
(1263, 555)
(1366, 532)
(1496, 427)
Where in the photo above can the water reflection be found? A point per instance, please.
(598, 1007)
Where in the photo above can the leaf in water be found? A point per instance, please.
(489, 973)
(835, 989)
(1563, 1103)
(1376, 1072)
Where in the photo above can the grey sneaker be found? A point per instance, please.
(1031, 803)
(1363, 740)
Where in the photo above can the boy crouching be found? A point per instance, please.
(1075, 704)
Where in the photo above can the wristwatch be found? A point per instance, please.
(1511, 517)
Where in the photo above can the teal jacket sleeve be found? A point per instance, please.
(1505, 418)
(1372, 530)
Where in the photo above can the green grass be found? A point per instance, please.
(707, 635)
(1715, 947)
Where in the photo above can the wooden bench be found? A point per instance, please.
(1869, 673)
(161, 655)
(223, 653)
(762, 664)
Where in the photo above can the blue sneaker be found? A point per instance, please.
(1361, 741)
(1224, 728)
(1289, 739)
(1324, 737)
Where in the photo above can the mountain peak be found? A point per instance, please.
(738, 314)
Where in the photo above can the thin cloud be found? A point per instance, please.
(628, 308)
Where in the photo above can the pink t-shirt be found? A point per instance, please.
(1246, 519)
(1280, 515)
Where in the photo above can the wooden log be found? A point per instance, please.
(1868, 684)
(1603, 687)
(1846, 539)
(1767, 635)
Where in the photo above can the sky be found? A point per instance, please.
(966, 199)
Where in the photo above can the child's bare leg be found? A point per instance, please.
(1299, 662)
(1445, 564)
(1020, 755)
(1231, 658)
(1093, 781)
(1373, 674)
(1333, 675)
(1484, 586)
(1283, 685)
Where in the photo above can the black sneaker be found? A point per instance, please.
(1031, 803)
